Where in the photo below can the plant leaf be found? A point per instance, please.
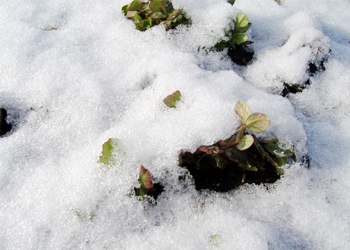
(248, 167)
(279, 149)
(241, 20)
(245, 142)
(134, 5)
(107, 148)
(239, 38)
(280, 171)
(145, 179)
(236, 155)
(258, 122)
(159, 15)
(220, 162)
(243, 110)
(171, 100)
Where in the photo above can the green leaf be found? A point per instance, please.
(242, 29)
(280, 171)
(245, 142)
(106, 152)
(220, 45)
(236, 155)
(134, 5)
(281, 161)
(258, 122)
(241, 20)
(174, 14)
(248, 167)
(147, 23)
(125, 9)
(239, 38)
(171, 100)
(157, 5)
(138, 19)
(145, 179)
(159, 15)
(220, 162)
(279, 149)
(243, 110)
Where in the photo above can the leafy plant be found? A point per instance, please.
(237, 151)
(236, 34)
(145, 15)
(172, 99)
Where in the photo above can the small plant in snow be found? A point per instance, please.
(146, 184)
(236, 34)
(238, 150)
(172, 99)
(145, 15)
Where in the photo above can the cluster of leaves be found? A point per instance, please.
(238, 150)
(145, 15)
(236, 35)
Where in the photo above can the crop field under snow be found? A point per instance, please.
(93, 77)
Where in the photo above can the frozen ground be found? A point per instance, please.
(68, 90)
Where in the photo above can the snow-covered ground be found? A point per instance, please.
(94, 77)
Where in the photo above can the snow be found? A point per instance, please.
(70, 89)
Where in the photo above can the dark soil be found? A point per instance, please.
(154, 193)
(240, 55)
(4, 126)
(295, 88)
(208, 176)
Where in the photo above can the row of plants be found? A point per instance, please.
(146, 15)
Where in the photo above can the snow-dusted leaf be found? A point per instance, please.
(279, 149)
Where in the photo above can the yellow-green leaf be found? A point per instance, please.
(172, 99)
(243, 110)
(245, 142)
(106, 152)
(258, 122)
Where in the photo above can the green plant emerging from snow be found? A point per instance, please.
(236, 34)
(145, 15)
(238, 150)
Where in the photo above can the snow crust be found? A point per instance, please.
(94, 77)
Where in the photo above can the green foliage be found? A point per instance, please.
(238, 150)
(106, 152)
(145, 15)
(236, 35)
(172, 99)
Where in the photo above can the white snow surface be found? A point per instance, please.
(95, 77)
